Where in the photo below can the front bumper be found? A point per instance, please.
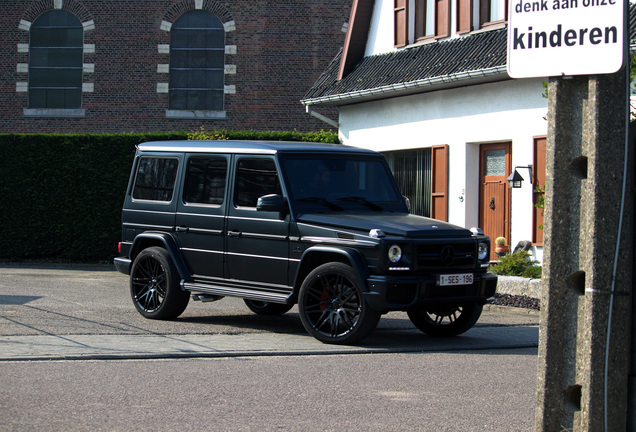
(402, 292)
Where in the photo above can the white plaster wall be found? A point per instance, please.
(463, 118)
(380, 38)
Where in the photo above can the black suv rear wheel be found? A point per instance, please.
(332, 308)
(267, 308)
(154, 285)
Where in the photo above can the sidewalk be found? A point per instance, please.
(84, 347)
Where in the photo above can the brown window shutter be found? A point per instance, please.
(464, 16)
(442, 18)
(400, 28)
(538, 177)
(439, 182)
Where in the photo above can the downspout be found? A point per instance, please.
(320, 116)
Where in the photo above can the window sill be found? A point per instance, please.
(54, 112)
(422, 41)
(491, 26)
(196, 114)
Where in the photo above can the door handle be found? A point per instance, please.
(183, 229)
(234, 233)
(492, 203)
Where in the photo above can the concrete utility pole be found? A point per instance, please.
(588, 258)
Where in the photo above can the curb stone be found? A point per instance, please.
(516, 285)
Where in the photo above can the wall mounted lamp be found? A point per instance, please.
(515, 179)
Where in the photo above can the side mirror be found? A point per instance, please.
(407, 201)
(273, 202)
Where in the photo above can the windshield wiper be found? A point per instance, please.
(322, 201)
(362, 200)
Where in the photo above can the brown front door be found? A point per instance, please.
(494, 196)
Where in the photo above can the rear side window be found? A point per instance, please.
(255, 178)
(155, 179)
(205, 180)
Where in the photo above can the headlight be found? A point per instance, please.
(395, 253)
(482, 253)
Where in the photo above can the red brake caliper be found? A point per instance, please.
(324, 298)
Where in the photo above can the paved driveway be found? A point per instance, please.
(75, 355)
(84, 312)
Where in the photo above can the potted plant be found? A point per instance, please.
(501, 248)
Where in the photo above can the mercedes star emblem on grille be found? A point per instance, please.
(447, 256)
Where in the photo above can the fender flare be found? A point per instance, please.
(314, 256)
(168, 242)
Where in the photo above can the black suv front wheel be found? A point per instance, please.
(154, 285)
(332, 308)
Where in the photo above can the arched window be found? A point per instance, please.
(197, 58)
(55, 61)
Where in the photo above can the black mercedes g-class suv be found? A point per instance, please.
(276, 223)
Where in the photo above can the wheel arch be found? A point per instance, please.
(319, 255)
(162, 240)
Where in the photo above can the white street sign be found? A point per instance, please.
(564, 37)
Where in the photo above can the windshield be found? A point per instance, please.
(336, 183)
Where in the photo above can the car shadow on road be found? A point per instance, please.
(287, 323)
(17, 299)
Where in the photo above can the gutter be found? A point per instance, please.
(404, 87)
(320, 116)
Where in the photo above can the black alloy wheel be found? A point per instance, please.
(332, 308)
(154, 285)
(267, 308)
(447, 319)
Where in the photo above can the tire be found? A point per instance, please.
(332, 307)
(445, 320)
(267, 308)
(154, 285)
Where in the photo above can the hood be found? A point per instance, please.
(393, 224)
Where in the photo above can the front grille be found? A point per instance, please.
(446, 256)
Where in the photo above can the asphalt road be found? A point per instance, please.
(75, 355)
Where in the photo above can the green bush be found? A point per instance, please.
(533, 272)
(62, 193)
(322, 136)
(517, 264)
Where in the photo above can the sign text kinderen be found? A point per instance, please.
(565, 37)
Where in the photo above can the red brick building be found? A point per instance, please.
(161, 65)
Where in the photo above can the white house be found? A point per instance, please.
(425, 82)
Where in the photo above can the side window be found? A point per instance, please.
(417, 20)
(205, 180)
(432, 19)
(155, 179)
(492, 11)
(255, 178)
(55, 61)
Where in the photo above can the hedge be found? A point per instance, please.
(62, 194)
